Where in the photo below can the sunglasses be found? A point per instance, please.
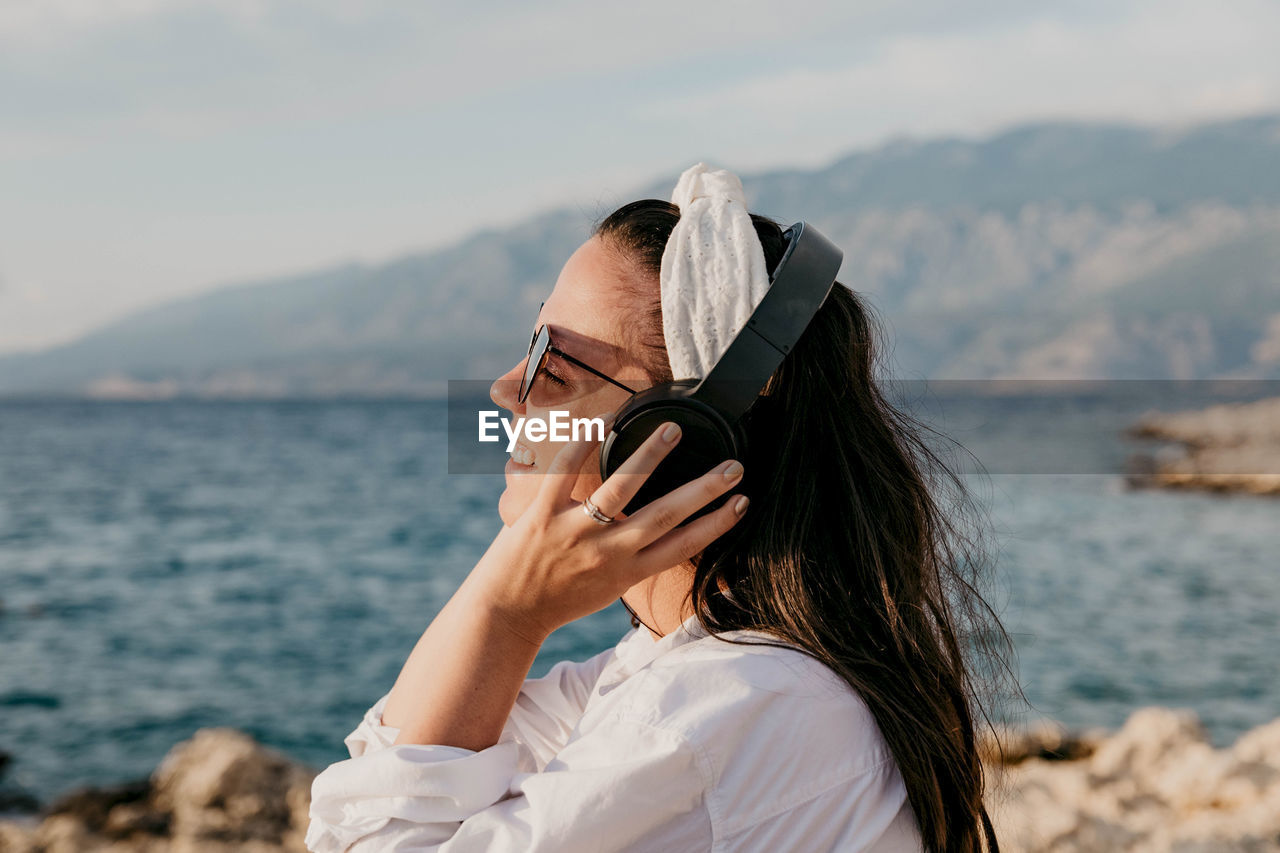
(540, 346)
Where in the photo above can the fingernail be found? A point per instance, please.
(732, 470)
(670, 432)
(740, 505)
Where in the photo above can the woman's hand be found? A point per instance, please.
(556, 564)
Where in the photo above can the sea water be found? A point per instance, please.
(269, 565)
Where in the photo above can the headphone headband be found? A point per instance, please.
(710, 412)
(800, 283)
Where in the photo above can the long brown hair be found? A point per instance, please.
(862, 550)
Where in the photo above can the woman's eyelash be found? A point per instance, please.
(555, 379)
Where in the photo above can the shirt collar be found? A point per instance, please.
(638, 648)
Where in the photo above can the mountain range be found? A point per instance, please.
(1048, 251)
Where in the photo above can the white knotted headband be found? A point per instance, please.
(713, 270)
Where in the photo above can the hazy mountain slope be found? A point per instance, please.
(1099, 165)
(1062, 250)
(355, 329)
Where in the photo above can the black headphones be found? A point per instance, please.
(710, 412)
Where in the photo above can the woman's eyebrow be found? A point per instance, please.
(582, 347)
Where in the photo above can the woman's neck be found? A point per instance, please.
(660, 601)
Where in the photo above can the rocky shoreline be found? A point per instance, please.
(220, 791)
(1155, 784)
(1227, 448)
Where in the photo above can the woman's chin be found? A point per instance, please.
(514, 500)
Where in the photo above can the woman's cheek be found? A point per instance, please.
(588, 478)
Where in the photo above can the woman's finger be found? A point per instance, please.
(677, 546)
(655, 519)
(622, 485)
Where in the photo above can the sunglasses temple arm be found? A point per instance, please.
(591, 369)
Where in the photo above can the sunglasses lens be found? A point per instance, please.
(533, 362)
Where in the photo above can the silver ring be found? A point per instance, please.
(593, 512)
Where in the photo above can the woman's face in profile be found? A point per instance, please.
(584, 313)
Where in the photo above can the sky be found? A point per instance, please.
(151, 149)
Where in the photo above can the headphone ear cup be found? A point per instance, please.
(706, 440)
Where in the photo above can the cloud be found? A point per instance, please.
(1161, 62)
(74, 69)
(152, 147)
(41, 23)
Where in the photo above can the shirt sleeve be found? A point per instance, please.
(548, 708)
(627, 785)
(544, 715)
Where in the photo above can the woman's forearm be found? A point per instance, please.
(462, 678)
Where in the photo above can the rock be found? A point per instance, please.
(16, 838)
(1227, 448)
(1156, 784)
(64, 833)
(223, 786)
(219, 792)
(92, 807)
(136, 818)
(1226, 425)
(1044, 740)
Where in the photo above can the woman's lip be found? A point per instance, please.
(514, 467)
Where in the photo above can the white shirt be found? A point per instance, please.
(687, 743)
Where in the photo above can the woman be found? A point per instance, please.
(795, 679)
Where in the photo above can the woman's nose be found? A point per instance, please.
(506, 388)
